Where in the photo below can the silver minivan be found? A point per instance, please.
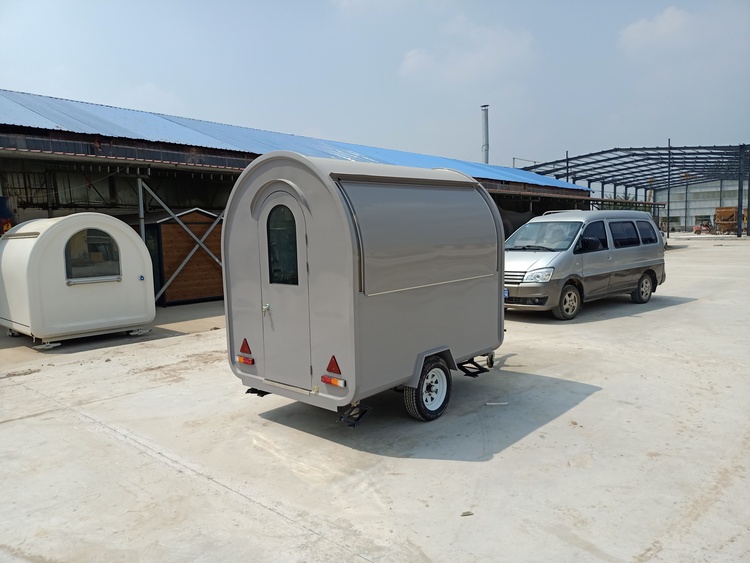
(560, 260)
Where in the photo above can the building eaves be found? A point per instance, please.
(43, 112)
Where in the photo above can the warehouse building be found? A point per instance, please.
(61, 156)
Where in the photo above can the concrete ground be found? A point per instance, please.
(623, 435)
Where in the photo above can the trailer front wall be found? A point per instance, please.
(331, 268)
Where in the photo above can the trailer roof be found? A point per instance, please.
(44, 112)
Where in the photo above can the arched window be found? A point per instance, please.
(282, 246)
(91, 253)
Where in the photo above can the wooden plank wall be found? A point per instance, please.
(200, 279)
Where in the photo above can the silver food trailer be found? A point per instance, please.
(344, 279)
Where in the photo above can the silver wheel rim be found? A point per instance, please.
(434, 389)
(645, 288)
(570, 303)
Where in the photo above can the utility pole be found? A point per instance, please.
(485, 134)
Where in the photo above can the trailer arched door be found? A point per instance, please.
(284, 291)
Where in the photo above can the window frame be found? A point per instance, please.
(646, 224)
(624, 242)
(278, 275)
(73, 278)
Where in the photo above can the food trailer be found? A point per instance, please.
(344, 279)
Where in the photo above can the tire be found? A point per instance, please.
(644, 291)
(429, 399)
(569, 305)
(490, 360)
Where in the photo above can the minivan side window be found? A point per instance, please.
(624, 234)
(596, 230)
(646, 230)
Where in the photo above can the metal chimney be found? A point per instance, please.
(485, 134)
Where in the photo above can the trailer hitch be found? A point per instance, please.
(354, 414)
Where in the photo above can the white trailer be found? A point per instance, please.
(344, 279)
(72, 276)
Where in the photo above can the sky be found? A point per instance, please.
(558, 75)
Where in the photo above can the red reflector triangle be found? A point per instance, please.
(333, 366)
(245, 348)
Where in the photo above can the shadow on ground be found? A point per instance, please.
(601, 310)
(81, 344)
(170, 321)
(486, 415)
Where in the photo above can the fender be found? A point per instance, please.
(441, 351)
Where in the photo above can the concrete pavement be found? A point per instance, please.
(625, 437)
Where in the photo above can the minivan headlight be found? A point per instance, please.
(539, 276)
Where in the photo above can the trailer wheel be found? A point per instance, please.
(642, 293)
(429, 399)
(569, 305)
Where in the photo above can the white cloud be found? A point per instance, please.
(467, 51)
(716, 38)
(685, 73)
(670, 30)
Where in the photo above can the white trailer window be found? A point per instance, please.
(91, 253)
(282, 246)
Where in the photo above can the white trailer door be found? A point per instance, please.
(284, 290)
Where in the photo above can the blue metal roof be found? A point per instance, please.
(43, 112)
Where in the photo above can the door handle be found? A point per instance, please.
(265, 309)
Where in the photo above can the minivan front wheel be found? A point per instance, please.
(645, 289)
(569, 304)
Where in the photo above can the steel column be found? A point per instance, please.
(739, 193)
(669, 184)
(687, 182)
(141, 214)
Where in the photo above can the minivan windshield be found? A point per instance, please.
(550, 236)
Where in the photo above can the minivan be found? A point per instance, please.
(559, 260)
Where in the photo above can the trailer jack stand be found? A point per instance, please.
(471, 368)
(354, 414)
(258, 392)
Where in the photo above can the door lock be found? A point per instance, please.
(265, 309)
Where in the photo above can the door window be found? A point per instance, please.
(282, 246)
(596, 230)
(624, 234)
(647, 232)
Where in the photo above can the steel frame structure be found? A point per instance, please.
(655, 168)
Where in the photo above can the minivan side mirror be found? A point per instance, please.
(590, 244)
